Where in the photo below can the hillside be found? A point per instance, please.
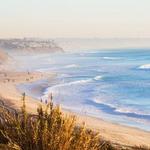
(30, 45)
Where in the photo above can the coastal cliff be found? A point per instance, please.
(30, 45)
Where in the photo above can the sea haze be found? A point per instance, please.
(113, 84)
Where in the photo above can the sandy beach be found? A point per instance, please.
(117, 133)
(114, 132)
(9, 92)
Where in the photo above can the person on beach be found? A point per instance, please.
(46, 101)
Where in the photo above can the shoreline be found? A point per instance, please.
(42, 87)
(10, 93)
(36, 90)
(114, 132)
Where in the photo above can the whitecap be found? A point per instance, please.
(98, 78)
(111, 58)
(133, 110)
(72, 84)
(146, 66)
(64, 75)
(71, 66)
(120, 108)
(54, 88)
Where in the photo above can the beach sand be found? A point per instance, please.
(117, 133)
(9, 92)
(114, 132)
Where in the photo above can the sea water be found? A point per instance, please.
(113, 84)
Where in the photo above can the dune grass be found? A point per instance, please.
(49, 129)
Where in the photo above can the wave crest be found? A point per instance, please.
(146, 66)
(111, 58)
(71, 66)
(98, 78)
(117, 107)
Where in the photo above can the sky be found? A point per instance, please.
(75, 18)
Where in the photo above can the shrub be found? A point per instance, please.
(48, 130)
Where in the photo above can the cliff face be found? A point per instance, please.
(31, 45)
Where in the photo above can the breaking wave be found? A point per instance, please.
(111, 58)
(146, 66)
(123, 109)
(71, 66)
(98, 78)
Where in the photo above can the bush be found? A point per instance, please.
(48, 130)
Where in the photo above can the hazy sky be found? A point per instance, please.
(74, 18)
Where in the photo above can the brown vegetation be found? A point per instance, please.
(49, 129)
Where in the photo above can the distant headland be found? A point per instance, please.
(31, 45)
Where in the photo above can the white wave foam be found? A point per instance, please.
(64, 75)
(98, 78)
(78, 82)
(121, 108)
(71, 66)
(111, 58)
(84, 81)
(53, 89)
(131, 110)
(146, 66)
(64, 87)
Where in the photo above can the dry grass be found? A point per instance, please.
(48, 130)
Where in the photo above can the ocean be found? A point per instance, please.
(110, 84)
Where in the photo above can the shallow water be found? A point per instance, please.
(113, 85)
